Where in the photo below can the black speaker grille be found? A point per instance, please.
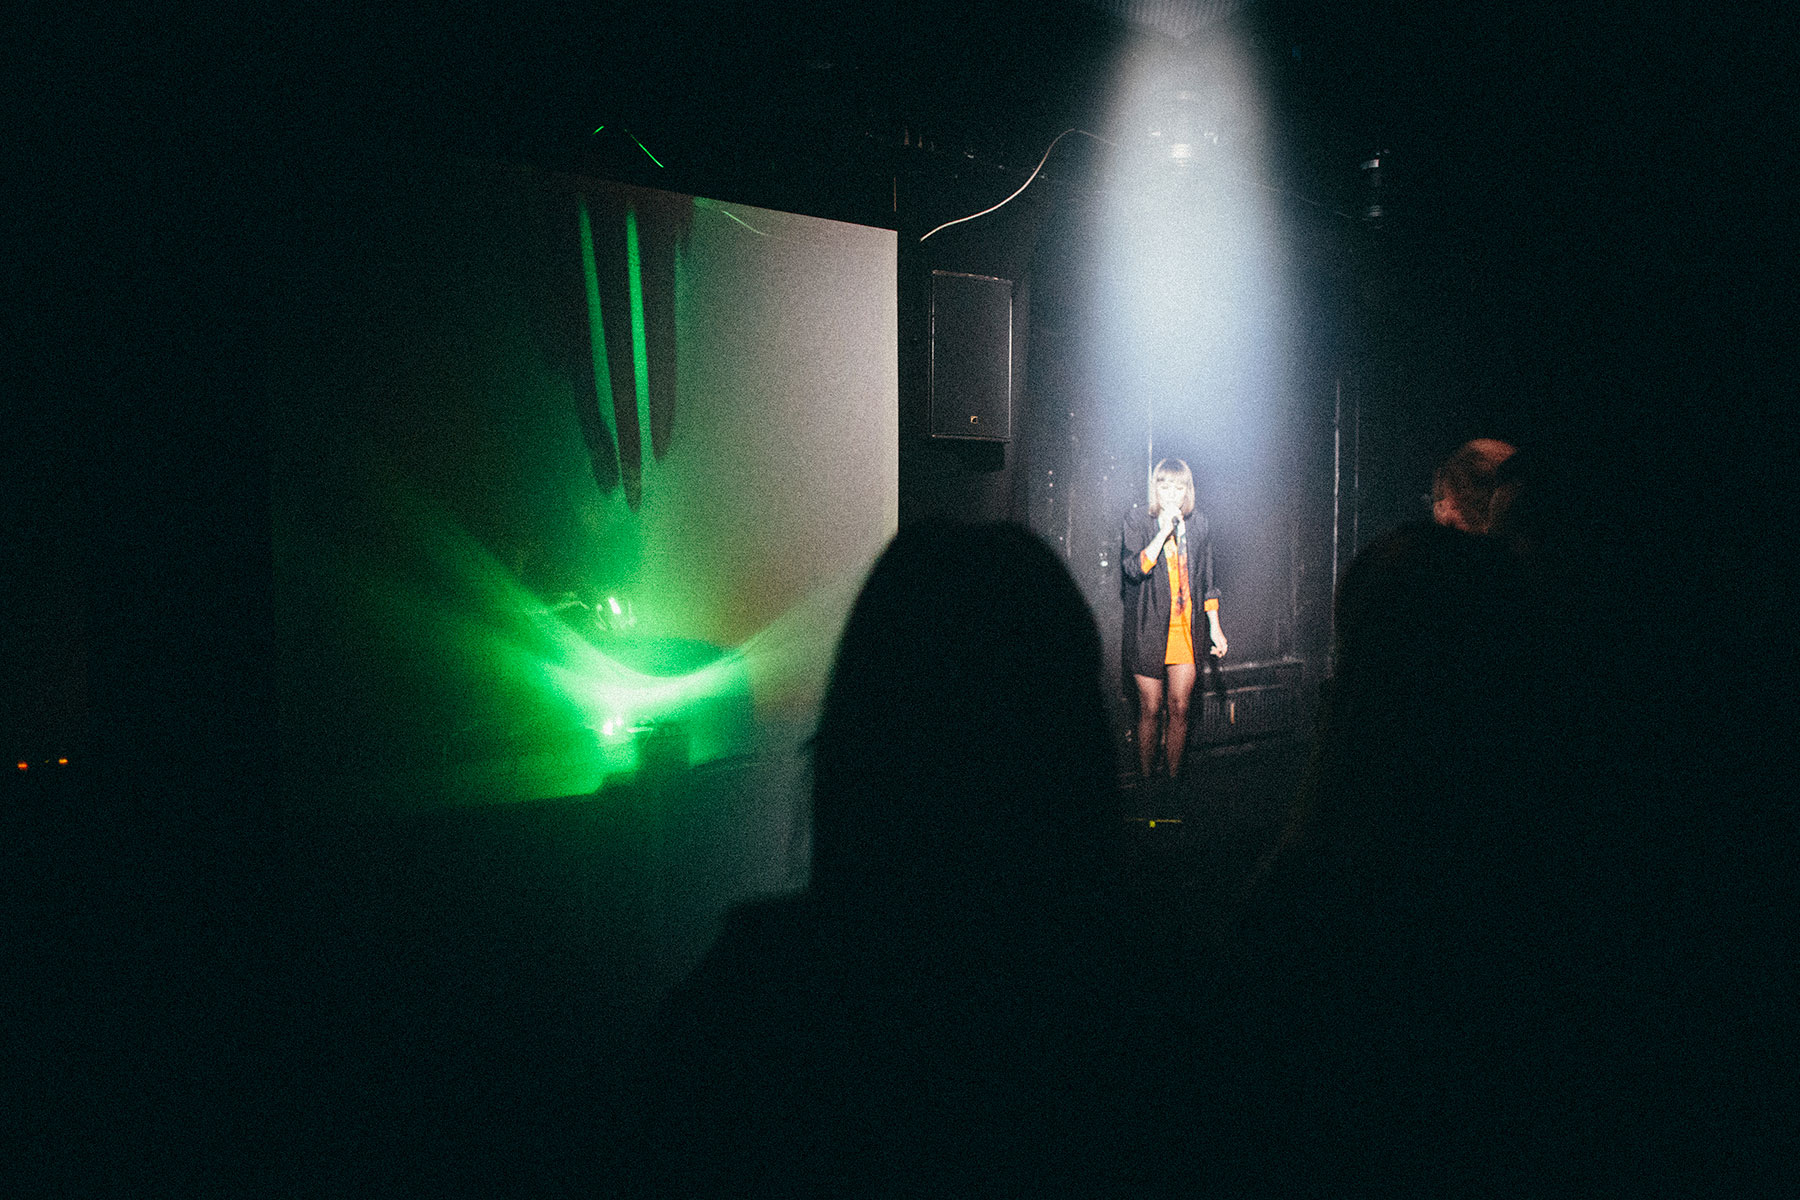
(971, 356)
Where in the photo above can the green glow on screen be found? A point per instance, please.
(546, 711)
(596, 326)
(474, 608)
(640, 354)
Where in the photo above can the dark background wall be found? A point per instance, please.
(1585, 252)
(1580, 249)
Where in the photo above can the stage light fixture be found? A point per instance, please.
(1370, 168)
(1183, 130)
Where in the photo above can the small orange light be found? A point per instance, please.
(62, 762)
(24, 766)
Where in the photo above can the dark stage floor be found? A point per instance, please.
(416, 1003)
(1197, 846)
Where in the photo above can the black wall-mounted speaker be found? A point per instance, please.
(971, 356)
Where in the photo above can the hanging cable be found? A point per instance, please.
(634, 138)
(714, 206)
(1240, 180)
(1034, 174)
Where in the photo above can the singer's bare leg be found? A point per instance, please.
(1150, 704)
(1181, 691)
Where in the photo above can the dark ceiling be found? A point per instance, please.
(1592, 134)
(1642, 132)
(1613, 162)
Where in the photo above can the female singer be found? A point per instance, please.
(1168, 571)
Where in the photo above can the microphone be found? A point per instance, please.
(1181, 527)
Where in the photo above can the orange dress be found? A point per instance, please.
(1163, 600)
(1181, 607)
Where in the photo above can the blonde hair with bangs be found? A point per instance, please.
(1173, 468)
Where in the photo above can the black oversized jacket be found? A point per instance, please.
(1146, 597)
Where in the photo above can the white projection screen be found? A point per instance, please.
(572, 477)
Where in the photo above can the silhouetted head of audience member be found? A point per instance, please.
(1540, 503)
(1509, 480)
(948, 1009)
(1431, 681)
(962, 750)
(1399, 967)
(1462, 489)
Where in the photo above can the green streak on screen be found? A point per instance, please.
(640, 359)
(596, 326)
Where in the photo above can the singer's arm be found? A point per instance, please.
(1207, 586)
(1137, 560)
